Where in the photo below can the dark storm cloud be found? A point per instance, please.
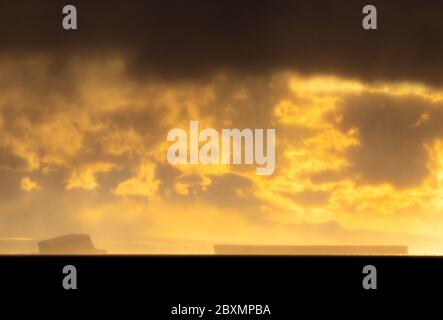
(393, 133)
(10, 161)
(194, 38)
(9, 184)
(229, 190)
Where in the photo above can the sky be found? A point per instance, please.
(84, 117)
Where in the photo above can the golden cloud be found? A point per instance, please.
(96, 129)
